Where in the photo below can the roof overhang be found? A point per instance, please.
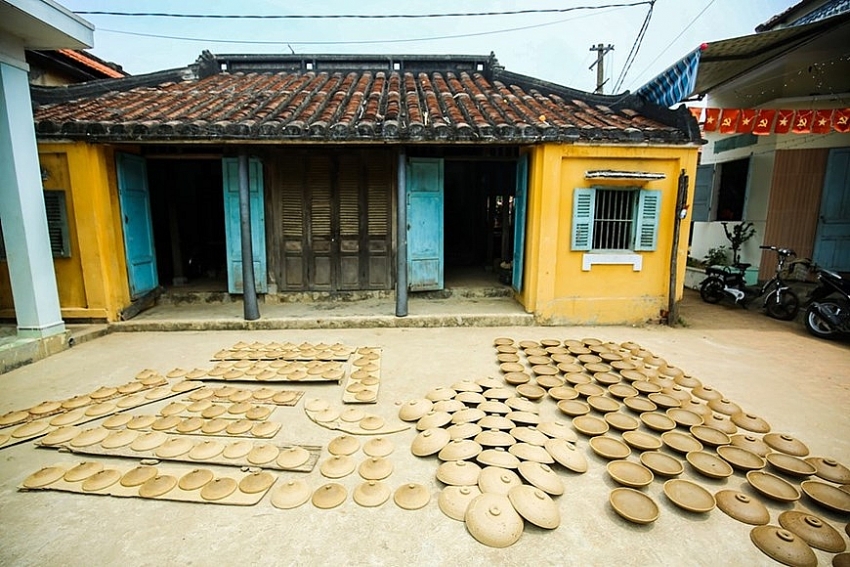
(44, 24)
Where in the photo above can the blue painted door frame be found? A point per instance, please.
(832, 240)
(233, 236)
(520, 208)
(134, 198)
(425, 257)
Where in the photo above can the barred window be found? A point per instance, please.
(614, 219)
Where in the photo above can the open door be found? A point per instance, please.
(134, 198)
(233, 235)
(425, 261)
(832, 241)
(520, 207)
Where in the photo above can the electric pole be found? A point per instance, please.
(600, 50)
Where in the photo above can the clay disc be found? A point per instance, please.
(68, 418)
(120, 438)
(657, 421)
(530, 435)
(573, 408)
(77, 402)
(45, 408)
(415, 409)
(630, 474)
(195, 479)
(773, 487)
(542, 476)
(681, 442)
(116, 421)
(639, 405)
(337, 466)
(43, 477)
(262, 454)
(497, 457)
(82, 471)
(464, 430)
(829, 469)
(709, 465)
(371, 493)
(101, 480)
(138, 475)
(265, 429)
(493, 521)
(497, 480)
(783, 546)
(566, 455)
(454, 500)
(790, 465)
(750, 422)
(61, 435)
(218, 489)
(411, 496)
(141, 422)
(378, 447)
(709, 435)
(375, 468)
(742, 507)
(590, 425)
(689, 496)
(291, 494)
(428, 421)
(165, 423)
(89, 437)
(239, 427)
(535, 506)
(256, 482)
(216, 425)
(206, 449)
(642, 441)
(174, 447)
(189, 425)
(633, 505)
(528, 452)
(352, 415)
(827, 495)
(344, 445)
(813, 530)
(293, 457)
(237, 450)
(172, 409)
(285, 397)
(458, 473)
(786, 444)
(661, 464)
(33, 428)
(740, 458)
(329, 496)
(97, 410)
(557, 430)
(609, 447)
(429, 442)
(130, 401)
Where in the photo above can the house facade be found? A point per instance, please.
(361, 169)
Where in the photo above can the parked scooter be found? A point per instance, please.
(780, 301)
(828, 313)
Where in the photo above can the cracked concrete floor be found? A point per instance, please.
(799, 384)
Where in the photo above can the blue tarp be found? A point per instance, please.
(674, 84)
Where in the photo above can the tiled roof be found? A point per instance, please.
(343, 99)
(93, 63)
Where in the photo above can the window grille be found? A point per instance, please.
(613, 219)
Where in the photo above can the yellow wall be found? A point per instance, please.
(555, 287)
(92, 283)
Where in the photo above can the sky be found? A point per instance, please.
(550, 46)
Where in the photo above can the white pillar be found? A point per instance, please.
(22, 212)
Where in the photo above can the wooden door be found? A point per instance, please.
(425, 264)
(232, 230)
(520, 207)
(832, 240)
(134, 198)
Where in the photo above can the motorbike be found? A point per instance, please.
(780, 301)
(828, 311)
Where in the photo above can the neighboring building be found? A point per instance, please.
(52, 68)
(577, 191)
(782, 159)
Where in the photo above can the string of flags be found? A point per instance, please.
(766, 121)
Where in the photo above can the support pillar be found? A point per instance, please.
(401, 253)
(22, 212)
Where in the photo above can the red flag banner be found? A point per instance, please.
(764, 121)
(729, 120)
(696, 112)
(822, 122)
(841, 120)
(784, 121)
(803, 122)
(747, 120)
(712, 119)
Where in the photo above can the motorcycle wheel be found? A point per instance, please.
(815, 323)
(783, 308)
(711, 290)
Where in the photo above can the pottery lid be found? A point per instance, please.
(697, 407)
(43, 477)
(492, 520)
(720, 422)
(293, 457)
(557, 430)
(664, 400)
(497, 394)
(263, 453)
(563, 393)
(371, 493)
(463, 473)
(375, 468)
(566, 454)
(240, 427)
(523, 418)
(530, 435)
(174, 447)
(621, 421)
(790, 465)
(67, 418)
(459, 449)
(529, 452)
(329, 495)
(783, 546)
(375, 422)
(751, 443)
(742, 507)
(117, 420)
(786, 444)
(639, 404)
(148, 441)
(157, 486)
(495, 438)
(337, 466)
(622, 391)
(291, 494)
(689, 495)
(82, 471)
(683, 417)
(503, 341)
(489, 382)
(522, 405)
(464, 430)
(710, 435)
(378, 447)
(772, 486)
(87, 437)
(238, 449)
(433, 419)
(344, 445)
(496, 422)
(750, 422)
(681, 442)
(687, 381)
(629, 474)
(256, 482)
(164, 423)
(411, 496)
(494, 407)
(827, 495)
(827, 469)
(587, 389)
(448, 406)
(430, 441)
(642, 441)
(101, 480)
(661, 464)
(573, 407)
(73, 403)
(603, 404)
(657, 421)
(590, 425)
(706, 393)
(633, 505)
(469, 415)
(724, 406)
(65, 434)
(497, 457)
(740, 458)
(466, 386)
(535, 506)
(709, 465)
(542, 476)
(194, 479)
(544, 382)
(609, 447)
(470, 398)
(454, 500)
(813, 530)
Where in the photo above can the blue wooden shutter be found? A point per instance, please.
(520, 206)
(233, 233)
(646, 231)
(703, 188)
(584, 203)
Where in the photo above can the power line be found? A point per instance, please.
(635, 48)
(355, 16)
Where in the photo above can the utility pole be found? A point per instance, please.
(600, 50)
